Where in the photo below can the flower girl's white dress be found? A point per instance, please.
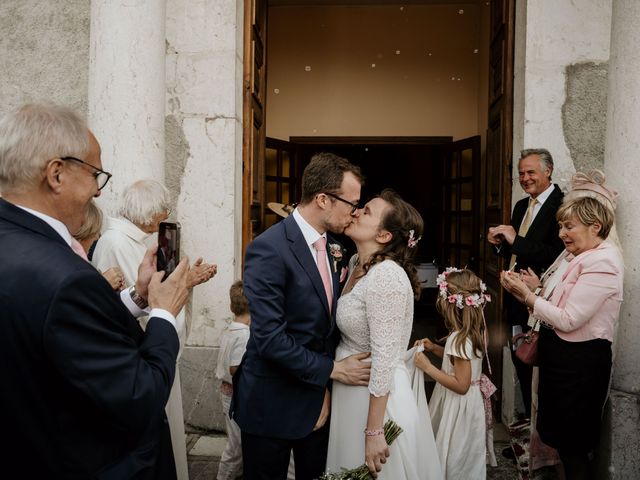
(377, 316)
(459, 420)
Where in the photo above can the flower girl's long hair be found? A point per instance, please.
(468, 320)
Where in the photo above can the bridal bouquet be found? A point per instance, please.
(391, 432)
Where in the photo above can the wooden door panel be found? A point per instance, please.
(281, 177)
(253, 141)
(497, 188)
(461, 205)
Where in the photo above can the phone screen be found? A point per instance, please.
(168, 255)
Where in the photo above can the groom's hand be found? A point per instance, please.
(324, 413)
(352, 370)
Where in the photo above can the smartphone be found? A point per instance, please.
(168, 255)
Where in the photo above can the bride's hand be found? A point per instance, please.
(376, 453)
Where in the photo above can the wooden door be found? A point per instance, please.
(497, 170)
(253, 136)
(281, 177)
(461, 205)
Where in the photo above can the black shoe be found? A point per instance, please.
(508, 453)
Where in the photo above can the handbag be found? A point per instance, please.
(527, 346)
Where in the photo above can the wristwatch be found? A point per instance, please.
(140, 301)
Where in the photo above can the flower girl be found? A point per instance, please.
(457, 405)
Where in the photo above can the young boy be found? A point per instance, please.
(232, 346)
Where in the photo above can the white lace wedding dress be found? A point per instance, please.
(377, 316)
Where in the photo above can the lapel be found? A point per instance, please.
(519, 212)
(301, 251)
(17, 216)
(571, 273)
(547, 210)
(335, 277)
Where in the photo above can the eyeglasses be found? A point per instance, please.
(101, 176)
(354, 206)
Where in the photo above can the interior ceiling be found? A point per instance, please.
(373, 2)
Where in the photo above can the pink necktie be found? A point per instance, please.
(77, 248)
(321, 260)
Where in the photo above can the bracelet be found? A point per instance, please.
(373, 433)
(526, 302)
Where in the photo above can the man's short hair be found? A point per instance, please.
(546, 160)
(324, 174)
(239, 304)
(143, 200)
(34, 134)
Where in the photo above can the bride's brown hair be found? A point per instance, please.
(467, 321)
(405, 225)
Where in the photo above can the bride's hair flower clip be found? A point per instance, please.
(413, 241)
(474, 300)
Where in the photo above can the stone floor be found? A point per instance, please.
(205, 450)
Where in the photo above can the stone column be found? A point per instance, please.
(204, 173)
(127, 90)
(621, 435)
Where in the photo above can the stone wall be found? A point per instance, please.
(559, 82)
(44, 48)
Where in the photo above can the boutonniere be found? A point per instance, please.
(335, 251)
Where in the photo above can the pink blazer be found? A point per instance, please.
(586, 303)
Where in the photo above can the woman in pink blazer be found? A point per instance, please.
(574, 350)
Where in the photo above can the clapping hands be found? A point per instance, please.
(201, 272)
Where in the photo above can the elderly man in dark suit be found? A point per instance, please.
(83, 387)
(531, 241)
(291, 278)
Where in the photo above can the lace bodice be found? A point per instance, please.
(376, 316)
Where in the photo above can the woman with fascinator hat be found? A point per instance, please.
(375, 314)
(577, 303)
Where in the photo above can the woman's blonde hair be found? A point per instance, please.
(468, 320)
(92, 224)
(588, 211)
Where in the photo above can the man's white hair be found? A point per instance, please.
(31, 136)
(142, 200)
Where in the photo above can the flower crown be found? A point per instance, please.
(473, 300)
(413, 241)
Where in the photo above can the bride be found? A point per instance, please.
(375, 313)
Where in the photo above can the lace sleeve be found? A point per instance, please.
(387, 295)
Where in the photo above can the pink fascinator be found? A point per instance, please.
(594, 181)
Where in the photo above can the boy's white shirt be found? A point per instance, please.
(232, 347)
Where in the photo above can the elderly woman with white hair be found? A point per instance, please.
(144, 204)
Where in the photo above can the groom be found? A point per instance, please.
(291, 277)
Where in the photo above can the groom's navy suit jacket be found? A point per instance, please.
(279, 387)
(83, 388)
